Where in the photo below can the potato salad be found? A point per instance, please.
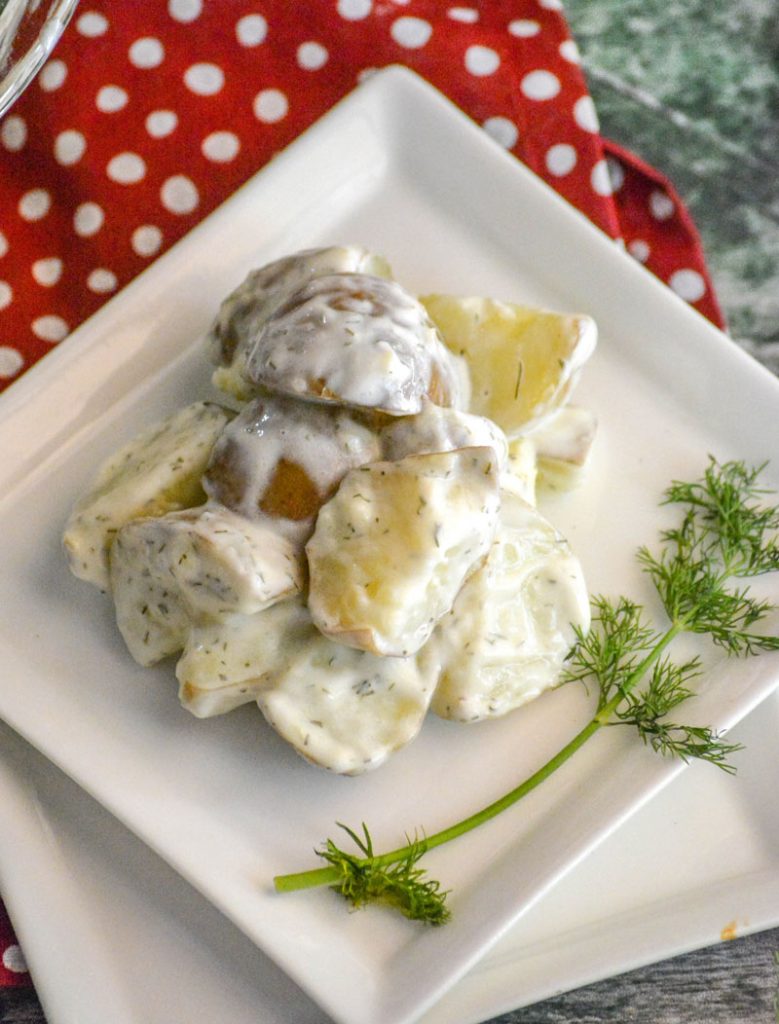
(348, 537)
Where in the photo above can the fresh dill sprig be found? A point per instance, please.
(724, 535)
(401, 885)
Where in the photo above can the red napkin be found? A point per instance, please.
(150, 113)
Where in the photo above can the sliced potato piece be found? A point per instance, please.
(563, 446)
(228, 663)
(347, 710)
(523, 362)
(438, 429)
(157, 472)
(191, 565)
(245, 311)
(392, 548)
(505, 639)
(355, 340)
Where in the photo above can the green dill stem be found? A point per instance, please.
(330, 876)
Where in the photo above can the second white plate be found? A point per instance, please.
(111, 933)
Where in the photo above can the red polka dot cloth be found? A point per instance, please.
(152, 112)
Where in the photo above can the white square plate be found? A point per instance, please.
(397, 168)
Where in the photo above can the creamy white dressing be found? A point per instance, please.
(506, 637)
(347, 710)
(357, 340)
(229, 662)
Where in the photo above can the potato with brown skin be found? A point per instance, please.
(283, 459)
(244, 312)
(359, 341)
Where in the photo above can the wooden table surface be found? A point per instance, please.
(692, 87)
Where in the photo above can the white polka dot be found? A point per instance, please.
(3, 244)
(465, 14)
(53, 75)
(481, 60)
(50, 328)
(111, 98)
(69, 147)
(185, 10)
(561, 159)
(600, 179)
(34, 204)
(6, 294)
(661, 206)
(503, 131)
(221, 147)
(13, 133)
(88, 219)
(146, 240)
(524, 28)
(126, 168)
(179, 194)
(354, 10)
(570, 51)
(639, 249)
(540, 85)
(48, 271)
(365, 74)
(251, 30)
(270, 105)
(11, 363)
(147, 52)
(102, 281)
(204, 79)
(551, 5)
(585, 115)
(92, 24)
(616, 173)
(688, 284)
(161, 123)
(411, 33)
(312, 56)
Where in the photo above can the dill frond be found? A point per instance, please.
(363, 879)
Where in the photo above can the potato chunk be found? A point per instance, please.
(524, 362)
(282, 459)
(347, 710)
(394, 545)
(194, 565)
(505, 639)
(157, 472)
(355, 340)
(229, 662)
(437, 429)
(245, 311)
(563, 447)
